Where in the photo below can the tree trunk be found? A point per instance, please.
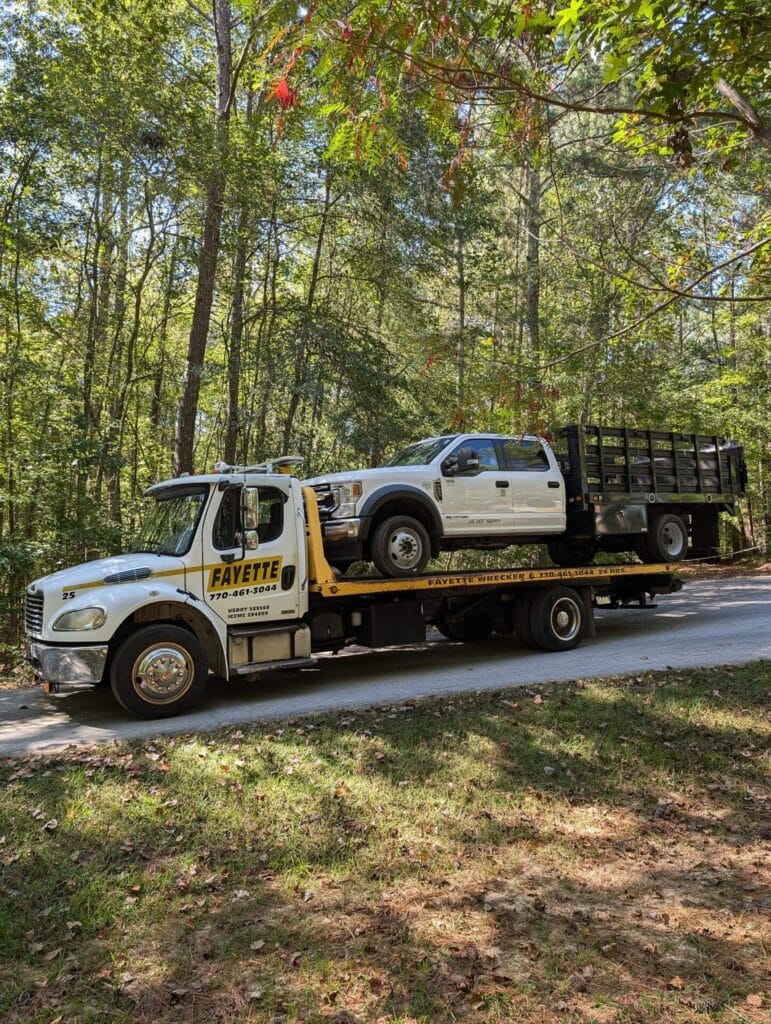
(210, 244)
(460, 340)
(237, 318)
(533, 257)
(301, 347)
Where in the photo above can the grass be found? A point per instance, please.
(589, 853)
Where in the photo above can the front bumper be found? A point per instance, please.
(82, 664)
(343, 540)
(339, 531)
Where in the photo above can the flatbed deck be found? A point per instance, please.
(324, 582)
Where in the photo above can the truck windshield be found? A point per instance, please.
(421, 453)
(170, 522)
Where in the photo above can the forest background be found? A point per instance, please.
(236, 230)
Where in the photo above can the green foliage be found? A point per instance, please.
(412, 240)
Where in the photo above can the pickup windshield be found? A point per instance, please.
(421, 453)
(170, 522)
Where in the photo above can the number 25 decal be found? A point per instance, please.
(67, 594)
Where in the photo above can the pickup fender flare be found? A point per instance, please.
(392, 492)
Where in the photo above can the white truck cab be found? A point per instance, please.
(453, 491)
(217, 553)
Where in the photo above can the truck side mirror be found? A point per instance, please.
(450, 465)
(469, 459)
(251, 540)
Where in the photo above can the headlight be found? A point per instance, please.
(346, 496)
(80, 618)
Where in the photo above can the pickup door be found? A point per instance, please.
(537, 486)
(476, 499)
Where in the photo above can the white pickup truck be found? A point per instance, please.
(614, 489)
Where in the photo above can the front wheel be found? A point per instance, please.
(400, 547)
(667, 539)
(159, 671)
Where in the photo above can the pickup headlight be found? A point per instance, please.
(80, 618)
(345, 497)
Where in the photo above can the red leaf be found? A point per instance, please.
(285, 96)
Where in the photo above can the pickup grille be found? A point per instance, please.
(34, 614)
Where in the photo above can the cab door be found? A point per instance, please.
(254, 577)
(476, 495)
(537, 487)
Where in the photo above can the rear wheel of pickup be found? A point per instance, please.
(570, 553)
(400, 547)
(557, 619)
(667, 539)
(158, 671)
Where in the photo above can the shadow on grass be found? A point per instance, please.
(390, 872)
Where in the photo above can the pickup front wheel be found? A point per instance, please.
(400, 547)
(158, 671)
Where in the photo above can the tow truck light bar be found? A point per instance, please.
(283, 464)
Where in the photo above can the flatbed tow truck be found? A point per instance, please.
(232, 581)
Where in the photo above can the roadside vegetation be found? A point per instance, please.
(592, 852)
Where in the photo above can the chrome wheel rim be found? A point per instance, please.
(672, 539)
(163, 673)
(405, 548)
(566, 619)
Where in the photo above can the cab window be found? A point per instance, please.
(263, 512)
(456, 463)
(524, 455)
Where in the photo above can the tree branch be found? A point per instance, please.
(659, 307)
(749, 114)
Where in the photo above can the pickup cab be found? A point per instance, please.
(453, 491)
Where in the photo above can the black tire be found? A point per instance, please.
(667, 539)
(400, 547)
(521, 619)
(641, 547)
(159, 671)
(557, 619)
(474, 628)
(569, 553)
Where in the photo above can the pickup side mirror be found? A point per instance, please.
(449, 465)
(468, 460)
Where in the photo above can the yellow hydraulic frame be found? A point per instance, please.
(322, 579)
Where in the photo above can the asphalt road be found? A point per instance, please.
(719, 622)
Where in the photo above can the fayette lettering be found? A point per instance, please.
(243, 574)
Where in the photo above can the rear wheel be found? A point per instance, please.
(476, 626)
(521, 619)
(400, 547)
(641, 547)
(557, 619)
(667, 539)
(159, 671)
(570, 553)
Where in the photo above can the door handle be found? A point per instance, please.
(501, 483)
(554, 483)
(287, 577)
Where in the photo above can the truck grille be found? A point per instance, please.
(34, 614)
